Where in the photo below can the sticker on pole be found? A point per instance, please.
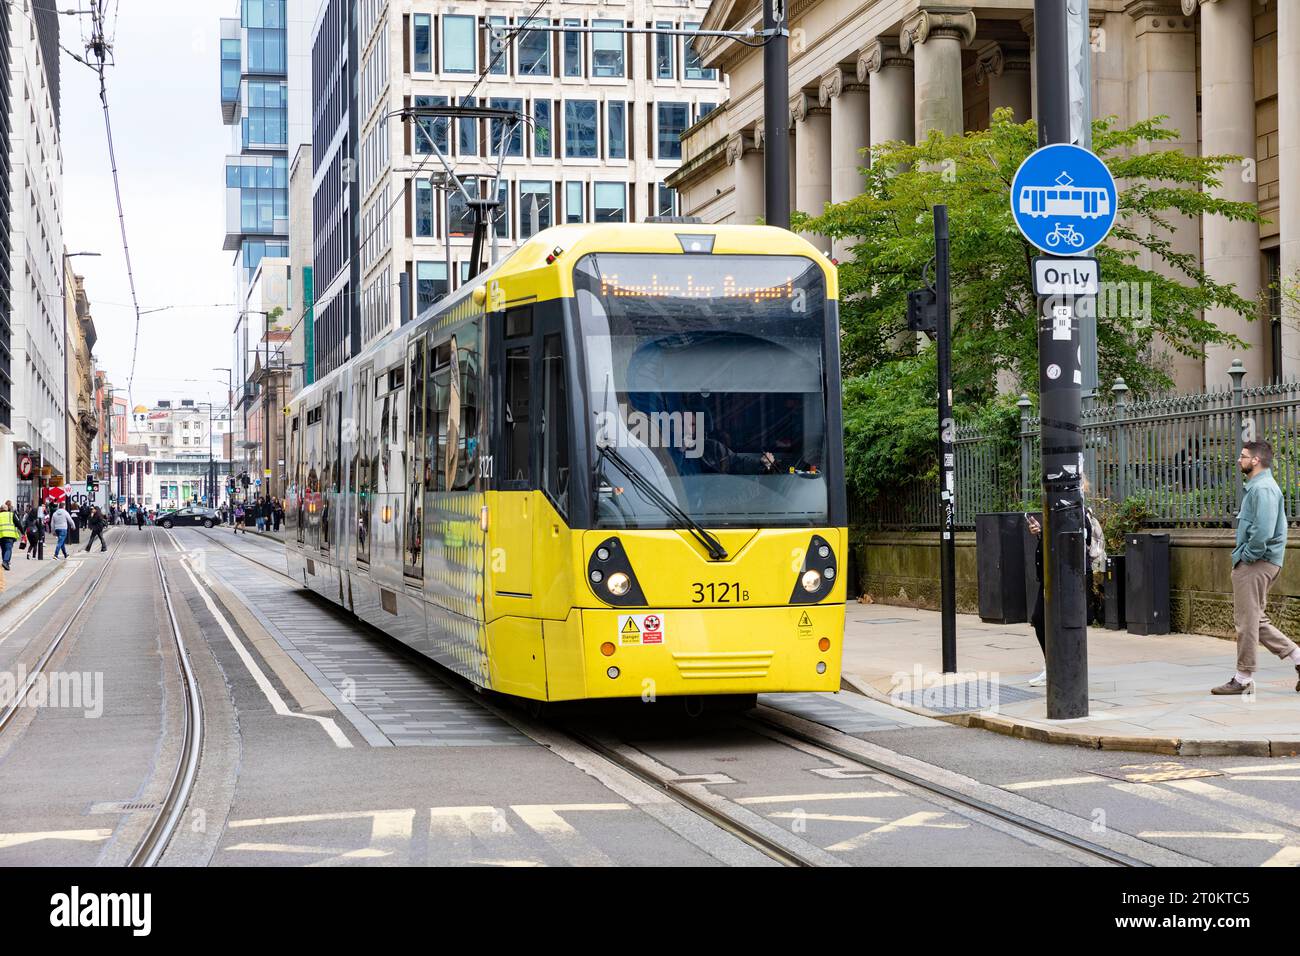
(1064, 199)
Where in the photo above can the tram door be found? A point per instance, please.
(512, 526)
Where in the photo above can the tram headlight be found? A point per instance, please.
(618, 583)
(812, 581)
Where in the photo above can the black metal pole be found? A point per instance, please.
(947, 471)
(776, 115)
(1060, 378)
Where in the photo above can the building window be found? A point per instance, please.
(535, 51)
(423, 61)
(573, 50)
(230, 70)
(266, 50)
(512, 128)
(574, 203)
(610, 201)
(460, 217)
(467, 132)
(458, 46)
(423, 208)
(501, 215)
(534, 207)
(673, 120)
(667, 205)
(607, 50)
(498, 57)
(266, 119)
(691, 68)
(430, 284)
(704, 109)
(542, 128)
(616, 116)
(431, 128)
(664, 44)
(580, 137)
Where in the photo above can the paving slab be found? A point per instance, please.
(1148, 693)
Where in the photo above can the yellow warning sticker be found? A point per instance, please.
(640, 629)
(805, 625)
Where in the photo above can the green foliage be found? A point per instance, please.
(1117, 520)
(890, 226)
(891, 425)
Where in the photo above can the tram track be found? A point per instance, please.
(150, 848)
(1012, 812)
(154, 843)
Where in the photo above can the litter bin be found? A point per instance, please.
(1146, 574)
(1000, 562)
(1113, 593)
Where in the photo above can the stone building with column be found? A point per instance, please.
(1225, 73)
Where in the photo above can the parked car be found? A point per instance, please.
(207, 517)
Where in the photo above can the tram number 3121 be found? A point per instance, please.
(725, 592)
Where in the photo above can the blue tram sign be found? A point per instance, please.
(1063, 199)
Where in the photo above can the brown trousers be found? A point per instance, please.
(1250, 584)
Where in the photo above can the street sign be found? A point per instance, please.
(1056, 277)
(1064, 199)
(26, 467)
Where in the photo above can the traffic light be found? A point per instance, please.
(91, 485)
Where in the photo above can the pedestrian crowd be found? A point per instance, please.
(263, 513)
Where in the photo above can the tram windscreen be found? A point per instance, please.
(706, 374)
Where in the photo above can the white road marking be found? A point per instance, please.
(16, 626)
(1287, 856)
(827, 817)
(925, 819)
(811, 797)
(1058, 782)
(545, 820)
(1210, 835)
(76, 836)
(1262, 768)
(268, 690)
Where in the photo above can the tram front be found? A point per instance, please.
(716, 541)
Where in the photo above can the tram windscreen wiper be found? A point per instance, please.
(647, 488)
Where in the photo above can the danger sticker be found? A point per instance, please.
(640, 629)
(805, 625)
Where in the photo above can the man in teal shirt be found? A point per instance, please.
(1256, 563)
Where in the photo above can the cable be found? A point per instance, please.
(100, 49)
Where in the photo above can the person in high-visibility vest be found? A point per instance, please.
(9, 532)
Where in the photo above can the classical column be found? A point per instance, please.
(812, 159)
(1007, 74)
(1164, 84)
(1231, 249)
(889, 75)
(847, 100)
(747, 160)
(938, 37)
(1288, 109)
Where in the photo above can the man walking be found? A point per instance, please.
(1256, 564)
(96, 525)
(61, 523)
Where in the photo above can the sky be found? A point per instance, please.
(170, 144)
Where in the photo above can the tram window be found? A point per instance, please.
(414, 530)
(466, 353)
(519, 322)
(518, 383)
(440, 396)
(555, 425)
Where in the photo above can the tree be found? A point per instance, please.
(994, 310)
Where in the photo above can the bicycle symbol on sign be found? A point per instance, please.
(1067, 233)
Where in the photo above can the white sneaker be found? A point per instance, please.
(1039, 681)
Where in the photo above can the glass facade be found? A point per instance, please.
(266, 118)
(231, 51)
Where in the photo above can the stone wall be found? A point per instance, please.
(903, 568)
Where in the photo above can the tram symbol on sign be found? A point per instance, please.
(1063, 198)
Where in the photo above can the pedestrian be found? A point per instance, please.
(61, 523)
(239, 518)
(96, 525)
(34, 528)
(1094, 553)
(278, 514)
(139, 519)
(9, 532)
(1256, 564)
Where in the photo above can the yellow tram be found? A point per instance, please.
(610, 466)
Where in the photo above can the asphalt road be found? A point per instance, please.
(326, 744)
